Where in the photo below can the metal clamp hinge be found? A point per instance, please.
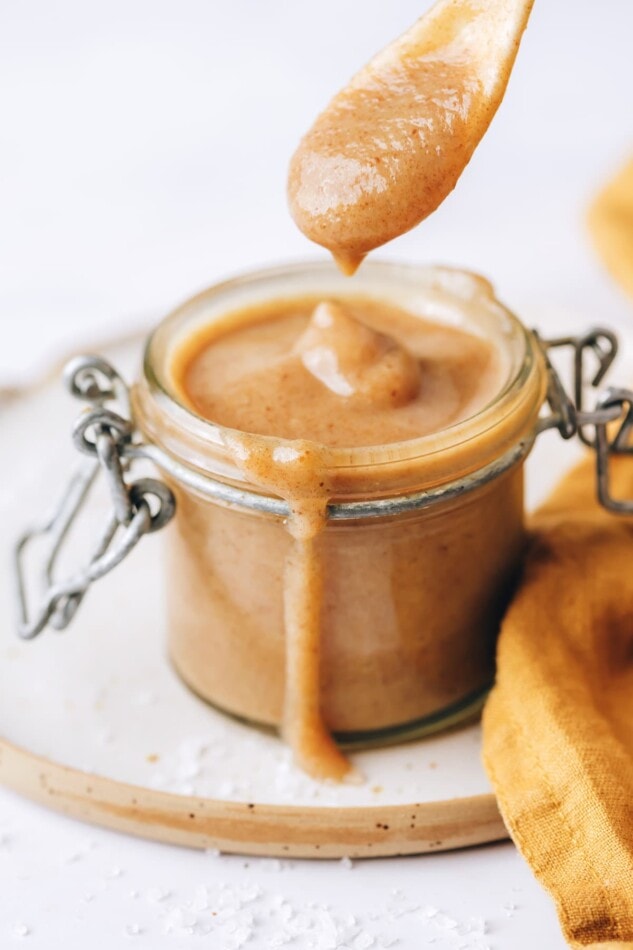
(594, 354)
(138, 507)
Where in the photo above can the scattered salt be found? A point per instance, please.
(239, 937)
(363, 941)
(445, 922)
(475, 925)
(347, 863)
(180, 921)
(21, 930)
(430, 911)
(155, 895)
(133, 930)
(144, 697)
(201, 898)
(72, 858)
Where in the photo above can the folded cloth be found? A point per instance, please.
(558, 726)
(610, 222)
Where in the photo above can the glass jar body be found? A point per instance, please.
(413, 594)
(410, 613)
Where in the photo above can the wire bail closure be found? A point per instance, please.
(600, 347)
(106, 434)
(138, 507)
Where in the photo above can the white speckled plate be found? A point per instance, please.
(96, 723)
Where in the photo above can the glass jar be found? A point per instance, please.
(420, 550)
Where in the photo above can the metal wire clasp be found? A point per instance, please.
(138, 507)
(598, 347)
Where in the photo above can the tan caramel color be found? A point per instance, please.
(409, 614)
(331, 371)
(362, 372)
(361, 613)
(392, 144)
(558, 727)
(611, 224)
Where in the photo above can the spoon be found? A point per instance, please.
(392, 144)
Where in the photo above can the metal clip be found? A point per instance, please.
(138, 507)
(570, 417)
(620, 402)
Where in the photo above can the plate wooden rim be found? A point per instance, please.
(291, 831)
(253, 828)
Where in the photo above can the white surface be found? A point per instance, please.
(142, 155)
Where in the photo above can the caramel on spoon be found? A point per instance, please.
(391, 145)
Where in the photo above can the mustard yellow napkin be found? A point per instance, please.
(558, 727)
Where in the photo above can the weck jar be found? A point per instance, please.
(420, 550)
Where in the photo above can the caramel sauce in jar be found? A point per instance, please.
(317, 391)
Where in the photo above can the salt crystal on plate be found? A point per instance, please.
(363, 941)
(476, 925)
(430, 911)
(226, 790)
(133, 930)
(180, 920)
(144, 697)
(201, 898)
(21, 930)
(155, 895)
(188, 770)
(347, 863)
(194, 747)
(240, 936)
(72, 858)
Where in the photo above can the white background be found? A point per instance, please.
(143, 150)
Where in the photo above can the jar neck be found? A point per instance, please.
(417, 465)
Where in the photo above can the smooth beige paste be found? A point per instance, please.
(392, 144)
(353, 373)
(326, 374)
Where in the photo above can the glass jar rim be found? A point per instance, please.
(519, 398)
